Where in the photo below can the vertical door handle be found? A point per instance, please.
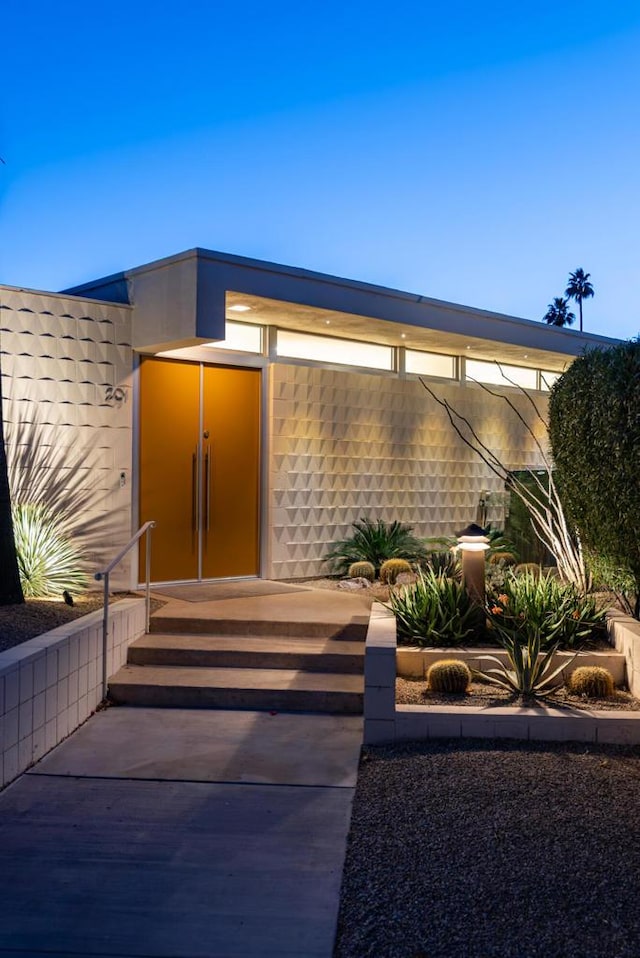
(194, 492)
(207, 488)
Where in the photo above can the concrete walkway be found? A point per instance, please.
(175, 834)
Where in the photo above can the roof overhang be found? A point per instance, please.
(184, 300)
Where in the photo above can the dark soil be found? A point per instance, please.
(18, 623)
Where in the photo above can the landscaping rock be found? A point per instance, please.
(354, 585)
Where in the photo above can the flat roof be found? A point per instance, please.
(305, 300)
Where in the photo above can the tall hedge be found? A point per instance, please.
(594, 429)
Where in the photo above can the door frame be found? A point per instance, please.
(195, 356)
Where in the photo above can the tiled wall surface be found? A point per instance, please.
(66, 386)
(346, 445)
(51, 684)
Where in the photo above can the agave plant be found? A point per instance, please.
(529, 671)
(48, 563)
(375, 542)
(445, 562)
(435, 611)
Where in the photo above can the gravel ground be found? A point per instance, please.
(416, 692)
(480, 849)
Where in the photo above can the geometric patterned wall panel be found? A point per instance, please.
(344, 445)
(66, 387)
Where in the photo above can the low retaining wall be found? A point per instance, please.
(413, 663)
(385, 722)
(50, 684)
(624, 635)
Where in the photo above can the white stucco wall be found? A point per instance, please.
(344, 445)
(66, 385)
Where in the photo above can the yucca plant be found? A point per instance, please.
(435, 611)
(48, 563)
(375, 542)
(62, 480)
(528, 604)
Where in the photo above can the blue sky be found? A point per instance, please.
(471, 152)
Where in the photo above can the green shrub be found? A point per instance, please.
(612, 577)
(392, 568)
(375, 542)
(531, 604)
(594, 430)
(361, 570)
(449, 675)
(592, 681)
(435, 611)
(47, 561)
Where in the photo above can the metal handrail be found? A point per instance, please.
(105, 573)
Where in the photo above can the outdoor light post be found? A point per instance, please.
(473, 543)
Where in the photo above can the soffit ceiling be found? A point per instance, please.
(309, 319)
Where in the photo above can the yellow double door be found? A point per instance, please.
(200, 469)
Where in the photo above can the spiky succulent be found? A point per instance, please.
(435, 611)
(391, 569)
(449, 675)
(47, 561)
(591, 680)
(361, 570)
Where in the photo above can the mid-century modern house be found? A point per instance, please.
(254, 411)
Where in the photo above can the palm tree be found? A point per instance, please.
(579, 288)
(558, 313)
(10, 588)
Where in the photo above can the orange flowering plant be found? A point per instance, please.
(530, 604)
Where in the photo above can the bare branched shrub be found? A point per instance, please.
(542, 499)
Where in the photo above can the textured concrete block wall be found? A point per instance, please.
(624, 635)
(346, 445)
(66, 385)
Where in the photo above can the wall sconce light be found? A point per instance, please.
(473, 543)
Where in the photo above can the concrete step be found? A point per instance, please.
(272, 689)
(249, 652)
(354, 630)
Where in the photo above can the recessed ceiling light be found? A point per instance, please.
(327, 322)
(468, 347)
(239, 308)
(526, 356)
(403, 335)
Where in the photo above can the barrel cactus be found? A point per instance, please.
(592, 681)
(449, 675)
(392, 568)
(362, 570)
